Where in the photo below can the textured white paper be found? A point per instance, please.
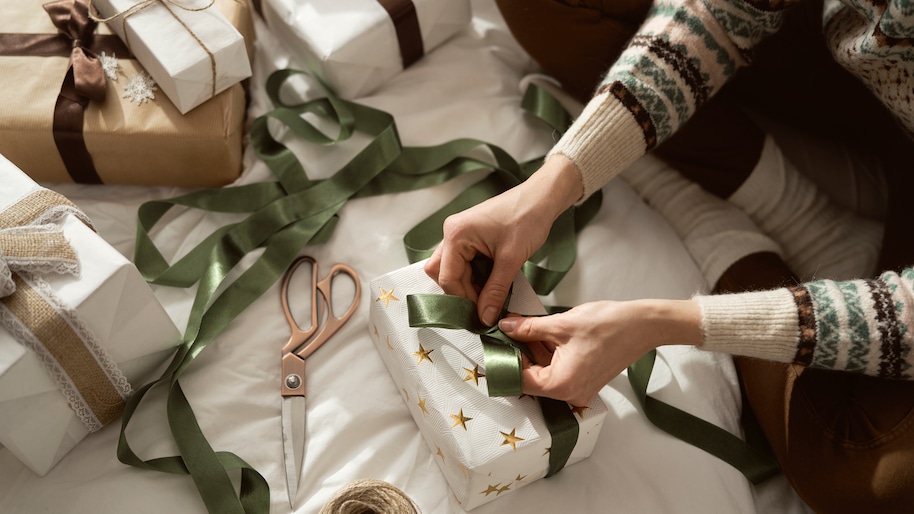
(36, 423)
(181, 67)
(352, 44)
(479, 461)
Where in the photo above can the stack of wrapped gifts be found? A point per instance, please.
(125, 92)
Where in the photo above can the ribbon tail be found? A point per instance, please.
(88, 75)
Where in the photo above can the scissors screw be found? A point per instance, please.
(293, 381)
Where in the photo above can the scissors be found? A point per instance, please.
(303, 343)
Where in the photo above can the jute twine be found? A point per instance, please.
(370, 496)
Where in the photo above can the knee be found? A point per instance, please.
(850, 445)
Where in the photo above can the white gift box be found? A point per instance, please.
(353, 44)
(37, 423)
(486, 447)
(184, 50)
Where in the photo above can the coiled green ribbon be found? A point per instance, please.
(283, 217)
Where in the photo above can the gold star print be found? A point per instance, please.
(473, 374)
(422, 354)
(422, 405)
(511, 439)
(375, 330)
(503, 489)
(389, 347)
(520, 478)
(491, 489)
(405, 393)
(387, 297)
(460, 419)
(579, 410)
(439, 453)
(547, 451)
(466, 472)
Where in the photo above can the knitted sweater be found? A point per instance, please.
(682, 55)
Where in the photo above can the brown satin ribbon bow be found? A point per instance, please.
(72, 21)
(84, 80)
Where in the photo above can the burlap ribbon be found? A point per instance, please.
(33, 245)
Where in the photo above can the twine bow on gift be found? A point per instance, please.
(32, 245)
(142, 5)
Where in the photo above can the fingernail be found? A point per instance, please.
(489, 316)
(507, 324)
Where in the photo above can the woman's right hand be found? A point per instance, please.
(508, 229)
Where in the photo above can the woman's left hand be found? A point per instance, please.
(579, 351)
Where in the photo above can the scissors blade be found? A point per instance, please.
(293, 442)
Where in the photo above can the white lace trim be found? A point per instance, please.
(58, 212)
(60, 377)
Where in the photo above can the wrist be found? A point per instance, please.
(557, 184)
(667, 322)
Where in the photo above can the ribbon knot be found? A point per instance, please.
(74, 23)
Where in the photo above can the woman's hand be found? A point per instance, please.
(508, 229)
(579, 351)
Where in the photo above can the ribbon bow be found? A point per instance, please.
(37, 249)
(73, 22)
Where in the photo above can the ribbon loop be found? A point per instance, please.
(74, 23)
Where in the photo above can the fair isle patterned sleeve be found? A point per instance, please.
(681, 56)
(862, 326)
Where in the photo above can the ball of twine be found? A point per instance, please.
(370, 496)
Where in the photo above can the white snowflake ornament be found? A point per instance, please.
(110, 65)
(139, 89)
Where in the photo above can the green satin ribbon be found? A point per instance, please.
(502, 357)
(753, 458)
(285, 216)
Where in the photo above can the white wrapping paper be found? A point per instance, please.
(352, 44)
(174, 47)
(36, 423)
(486, 447)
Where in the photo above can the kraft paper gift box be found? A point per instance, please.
(486, 447)
(357, 45)
(51, 129)
(110, 318)
(188, 46)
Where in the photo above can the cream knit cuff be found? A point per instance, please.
(762, 324)
(604, 140)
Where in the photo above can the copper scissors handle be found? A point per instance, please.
(302, 343)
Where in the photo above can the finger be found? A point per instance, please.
(433, 264)
(454, 270)
(535, 379)
(493, 294)
(526, 329)
(541, 354)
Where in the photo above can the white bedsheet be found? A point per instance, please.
(358, 425)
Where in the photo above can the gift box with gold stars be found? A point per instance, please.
(487, 447)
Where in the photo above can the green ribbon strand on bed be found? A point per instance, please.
(752, 458)
(285, 216)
